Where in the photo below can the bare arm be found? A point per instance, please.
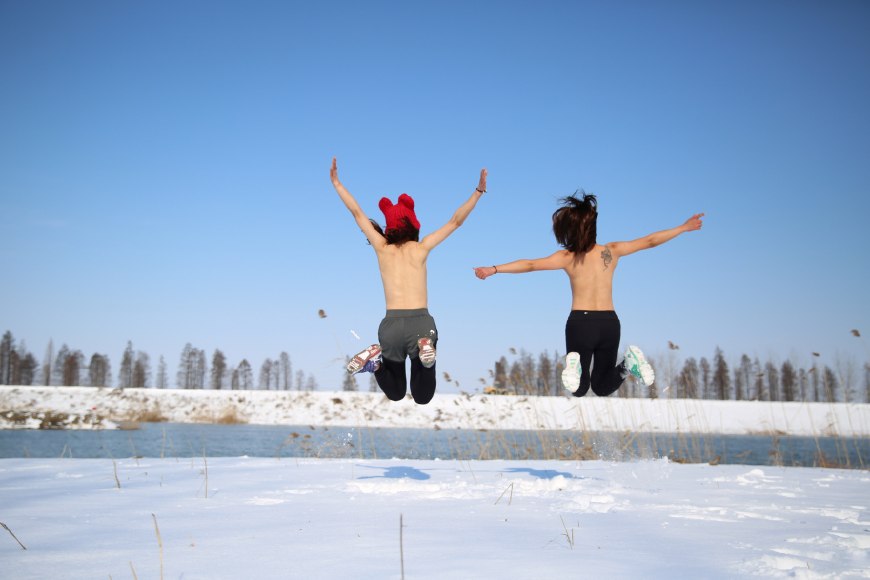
(555, 261)
(458, 218)
(620, 249)
(356, 211)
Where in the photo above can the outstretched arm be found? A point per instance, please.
(555, 261)
(657, 238)
(356, 211)
(439, 235)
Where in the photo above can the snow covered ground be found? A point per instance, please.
(107, 407)
(216, 518)
(270, 518)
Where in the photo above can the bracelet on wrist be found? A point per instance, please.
(478, 190)
(496, 270)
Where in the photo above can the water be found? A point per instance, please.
(195, 440)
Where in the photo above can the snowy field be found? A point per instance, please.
(268, 518)
(216, 518)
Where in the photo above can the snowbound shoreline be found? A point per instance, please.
(88, 407)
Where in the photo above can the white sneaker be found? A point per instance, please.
(571, 374)
(637, 365)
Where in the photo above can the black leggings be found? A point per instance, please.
(595, 334)
(393, 382)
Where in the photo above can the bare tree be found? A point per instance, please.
(162, 379)
(17, 366)
(191, 368)
(758, 382)
(7, 350)
(846, 377)
(831, 386)
(71, 369)
(721, 376)
(46, 363)
(184, 377)
(500, 378)
(218, 370)
(788, 380)
(266, 374)
(689, 379)
(98, 371)
(27, 368)
(705, 378)
(803, 382)
(141, 371)
(772, 375)
(286, 371)
(57, 369)
(544, 376)
(246, 375)
(201, 369)
(125, 372)
(744, 374)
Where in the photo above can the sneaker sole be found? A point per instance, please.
(426, 352)
(360, 359)
(571, 374)
(647, 374)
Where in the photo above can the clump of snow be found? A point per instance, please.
(34, 419)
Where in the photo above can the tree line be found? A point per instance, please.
(750, 379)
(69, 367)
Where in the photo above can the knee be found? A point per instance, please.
(395, 396)
(424, 398)
(605, 392)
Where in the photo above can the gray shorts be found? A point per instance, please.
(400, 330)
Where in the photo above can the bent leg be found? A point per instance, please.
(392, 379)
(422, 381)
(578, 339)
(607, 376)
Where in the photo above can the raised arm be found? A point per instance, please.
(655, 239)
(356, 211)
(439, 235)
(555, 261)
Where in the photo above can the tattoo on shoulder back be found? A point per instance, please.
(606, 257)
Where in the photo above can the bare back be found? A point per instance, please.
(591, 276)
(403, 273)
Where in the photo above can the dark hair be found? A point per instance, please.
(575, 223)
(398, 236)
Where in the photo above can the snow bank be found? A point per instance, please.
(447, 411)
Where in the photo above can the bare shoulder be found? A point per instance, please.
(558, 260)
(607, 253)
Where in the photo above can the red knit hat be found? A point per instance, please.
(394, 213)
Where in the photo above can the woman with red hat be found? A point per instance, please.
(407, 330)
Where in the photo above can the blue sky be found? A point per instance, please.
(164, 172)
